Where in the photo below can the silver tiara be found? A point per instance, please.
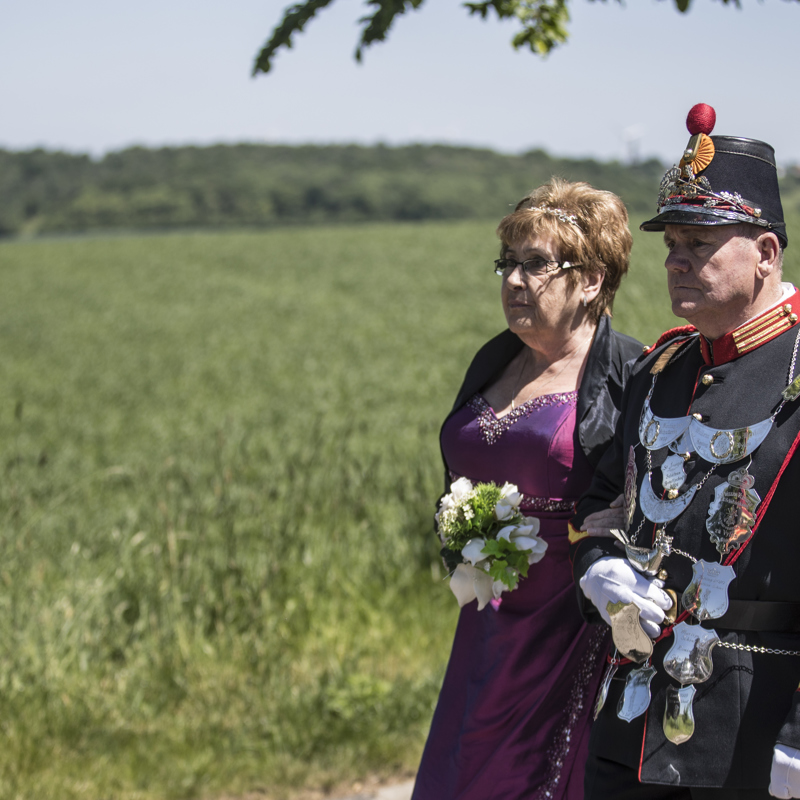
(559, 213)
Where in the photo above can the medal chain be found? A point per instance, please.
(649, 465)
(649, 460)
(753, 648)
(791, 376)
(685, 555)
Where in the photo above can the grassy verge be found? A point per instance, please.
(220, 460)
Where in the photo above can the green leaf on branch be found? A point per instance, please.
(294, 20)
(381, 20)
(544, 23)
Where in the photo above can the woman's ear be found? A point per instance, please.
(592, 281)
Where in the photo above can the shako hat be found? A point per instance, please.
(720, 180)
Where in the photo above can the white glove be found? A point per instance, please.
(614, 580)
(784, 779)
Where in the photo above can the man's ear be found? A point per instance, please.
(769, 254)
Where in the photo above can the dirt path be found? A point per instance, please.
(397, 791)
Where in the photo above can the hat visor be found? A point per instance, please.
(684, 217)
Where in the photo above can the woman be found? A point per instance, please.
(537, 408)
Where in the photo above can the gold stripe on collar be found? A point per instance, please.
(749, 328)
(756, 337)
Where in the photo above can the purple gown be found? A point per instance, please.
(513, 715)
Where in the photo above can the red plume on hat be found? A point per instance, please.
(701, 119)
(699, 152)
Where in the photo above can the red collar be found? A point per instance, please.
(755, 332)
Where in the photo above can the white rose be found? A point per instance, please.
(472, 551)
(460, 490)
(525, 538)
(510, 498)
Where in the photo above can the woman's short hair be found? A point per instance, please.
(589, 227)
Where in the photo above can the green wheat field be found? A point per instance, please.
(220, 463)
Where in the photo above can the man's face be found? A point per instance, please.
(712, 275)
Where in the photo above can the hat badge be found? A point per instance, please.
(699, 153)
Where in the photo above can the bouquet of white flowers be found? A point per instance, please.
(488, 543)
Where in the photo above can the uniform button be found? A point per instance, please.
(698, 417)
(787, 309)
(707, 379)
(793, 318)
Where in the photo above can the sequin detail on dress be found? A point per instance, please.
(558, 752)
(493, 428)
(531, 502)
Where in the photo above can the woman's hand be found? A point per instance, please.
(600, 523)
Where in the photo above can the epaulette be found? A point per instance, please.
(673, 333)
(676, 337)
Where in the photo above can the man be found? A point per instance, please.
(705, 705)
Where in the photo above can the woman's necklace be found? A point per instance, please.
(539, 388)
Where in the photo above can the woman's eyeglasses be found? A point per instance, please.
(533, 266)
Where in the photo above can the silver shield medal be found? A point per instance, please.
(731, 515)
(678, 721)
(706, 597)
(689, 658)
(627, 633)
(635, 698)
(673, 474)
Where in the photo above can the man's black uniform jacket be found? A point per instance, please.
(750, 702)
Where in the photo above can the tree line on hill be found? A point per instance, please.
(251, 185)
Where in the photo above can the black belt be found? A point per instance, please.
(758, 615)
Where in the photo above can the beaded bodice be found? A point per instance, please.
(534, 446)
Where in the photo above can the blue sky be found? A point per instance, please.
(99, 75)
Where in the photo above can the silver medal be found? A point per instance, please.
(627, 632)
(630, 488)
(678, 714)
(657, 432)
(660, 511)
(605, 684)
(792, 391)
(706, 597)
(689, 658)
(673, 475)
(635, 698)
(726, 446)
(731, 515)
(648, 559)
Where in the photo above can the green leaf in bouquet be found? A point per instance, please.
(494, 547)
(506, 554)
(499, 571)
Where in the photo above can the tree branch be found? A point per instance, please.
(294, 20)
(380, 22)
